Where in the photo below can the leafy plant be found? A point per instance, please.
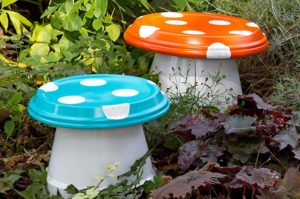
(251, 128)
(18, 21)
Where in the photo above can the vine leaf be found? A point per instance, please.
(185, 184)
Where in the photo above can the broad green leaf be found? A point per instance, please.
(39, 49)
(42, 33)
(54, 57)
(90, 12)
(15, 99)
(72, 22)
(21, 18)
(68, 49)
(7, 3)
(57, 19)
(97, 24)
(83, 32)
(113, 31)
(100, 7)
(68, 5)
(4, 20)
(50, 10)
(56, 47)
(9, 127)
(55, 4)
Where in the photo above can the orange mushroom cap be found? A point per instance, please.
(198, 35)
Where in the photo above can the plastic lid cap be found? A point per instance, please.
(199, 35)
(98, 101)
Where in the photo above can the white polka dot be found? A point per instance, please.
(140, 17)
(117, 111)
(218, 51)
(193, 32)
(125, 92)
(241, 32)
(146, 31)
(171, 14)
(252, 24)
(49, 87)
(151, 82)
(93, 82)
(72, 99)
(176, 22)
(219, 22)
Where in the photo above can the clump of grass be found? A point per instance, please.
(287, 91)
(266, 74)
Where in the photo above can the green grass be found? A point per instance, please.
(269, 74)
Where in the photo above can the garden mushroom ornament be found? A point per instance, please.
(99, 121)
(193, 48)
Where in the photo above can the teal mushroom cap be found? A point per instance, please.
(98, 101)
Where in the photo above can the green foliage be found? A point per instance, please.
(271, 74)
(18, 21)
(122, 188)
(38, 188)
(8, 180)
(287, 92)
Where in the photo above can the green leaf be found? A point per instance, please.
(113, 31)
(68, 5)
(4, 20)
(39, 49)
(179, 4)
(15, 99)
(100, 7)
(57, 19)
(71, 189)
(9, 127)
(54, 57)
(42, 33)
(97, 24)
(55, 4)
(68, 49)
(16, 22)
(20, 17)
(72, 22)
(145, 4)
(7, 3)
(173, 142)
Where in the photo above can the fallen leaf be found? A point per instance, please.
(183, 185)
